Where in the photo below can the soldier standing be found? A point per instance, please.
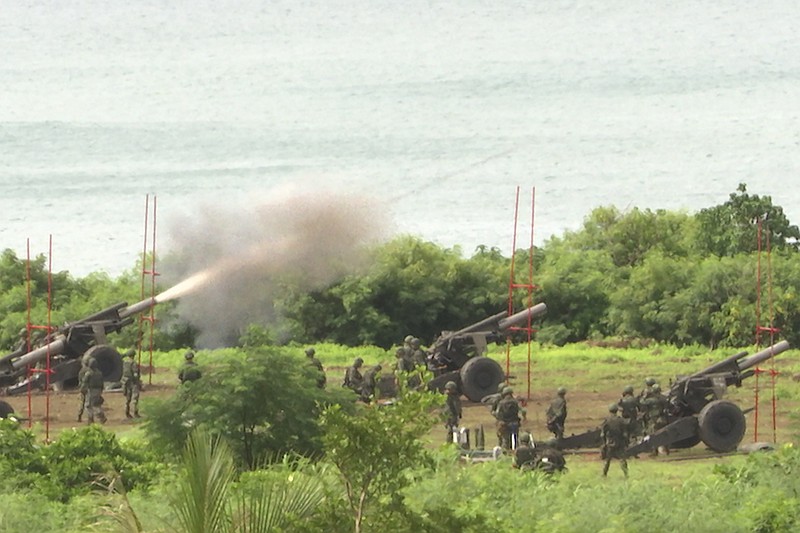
(418, 356)
(131, 383)
(656, 412)
(370, 382)
(614, 433)
(648, 389)
(557, 413)
(83, 389)
(352, 377)
(316, 363)
(629, 409)
(508, 419)
(93, 383)
(189, 370)
(453, 412)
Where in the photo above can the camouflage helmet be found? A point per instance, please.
(525, 437)
(310, 352)
(408, 339)
(23, 332)
(188, 355)
(378, 367)
(415, 342)
(358, 362)
(400, 352)
(507, 391)
(613, 408)
(561, 391)
(501, 386)
(656, 388)
(650, 382)
(628, 389)
(130, 353)
(450, 386)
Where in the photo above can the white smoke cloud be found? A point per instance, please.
(230, 258)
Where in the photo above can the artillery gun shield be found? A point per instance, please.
(721, 425)
(480, 377)
(109, 361)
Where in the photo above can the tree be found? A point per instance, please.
(264, 401)
(374, 448)
(731, 228)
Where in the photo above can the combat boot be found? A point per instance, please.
(136, 414)
(80, 418)
(128, 413)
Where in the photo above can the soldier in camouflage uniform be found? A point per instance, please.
(614, 433)
(418, 356)
(189, 370)
(648, 390)
(369, 383)
(508, 419)
(453, 409)
(656, 414)
(557, 413)
(525, 454)
(629, 409)
(92, 382)
(83, 390)
(352, 377)
(131, 383)
(317, 364)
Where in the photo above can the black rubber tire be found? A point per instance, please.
(480, 377)
(721, 425)
(109, 361)
(5, 409)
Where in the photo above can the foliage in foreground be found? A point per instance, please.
(263, 401)
(73, 464)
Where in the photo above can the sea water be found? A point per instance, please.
(438, 110)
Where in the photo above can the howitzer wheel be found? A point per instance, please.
(480, 377)
(109, 361)
(5, 409)
(721, 425)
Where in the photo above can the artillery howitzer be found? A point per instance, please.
(67, 345)
(458, 356)
(697, 410)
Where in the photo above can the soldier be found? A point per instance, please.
(316, 363)
(189, 370)
(647, 391)
(404, 363)
(369, 383)
(525, 454)
(92, 382)
(352, 377)
(131, 383)
(83, 390)
(418, 356)
(507, 415)
(557, 413)
(493, 399)
(656, 412)
(549, 458)
(629, 409)
(407, 346)
(614, 433)
(453, 411)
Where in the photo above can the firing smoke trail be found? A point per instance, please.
(227, 263)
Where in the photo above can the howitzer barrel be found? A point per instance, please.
(764, 355)
(40, 354)
(720, 366)
(138, 307)
(534, 311)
